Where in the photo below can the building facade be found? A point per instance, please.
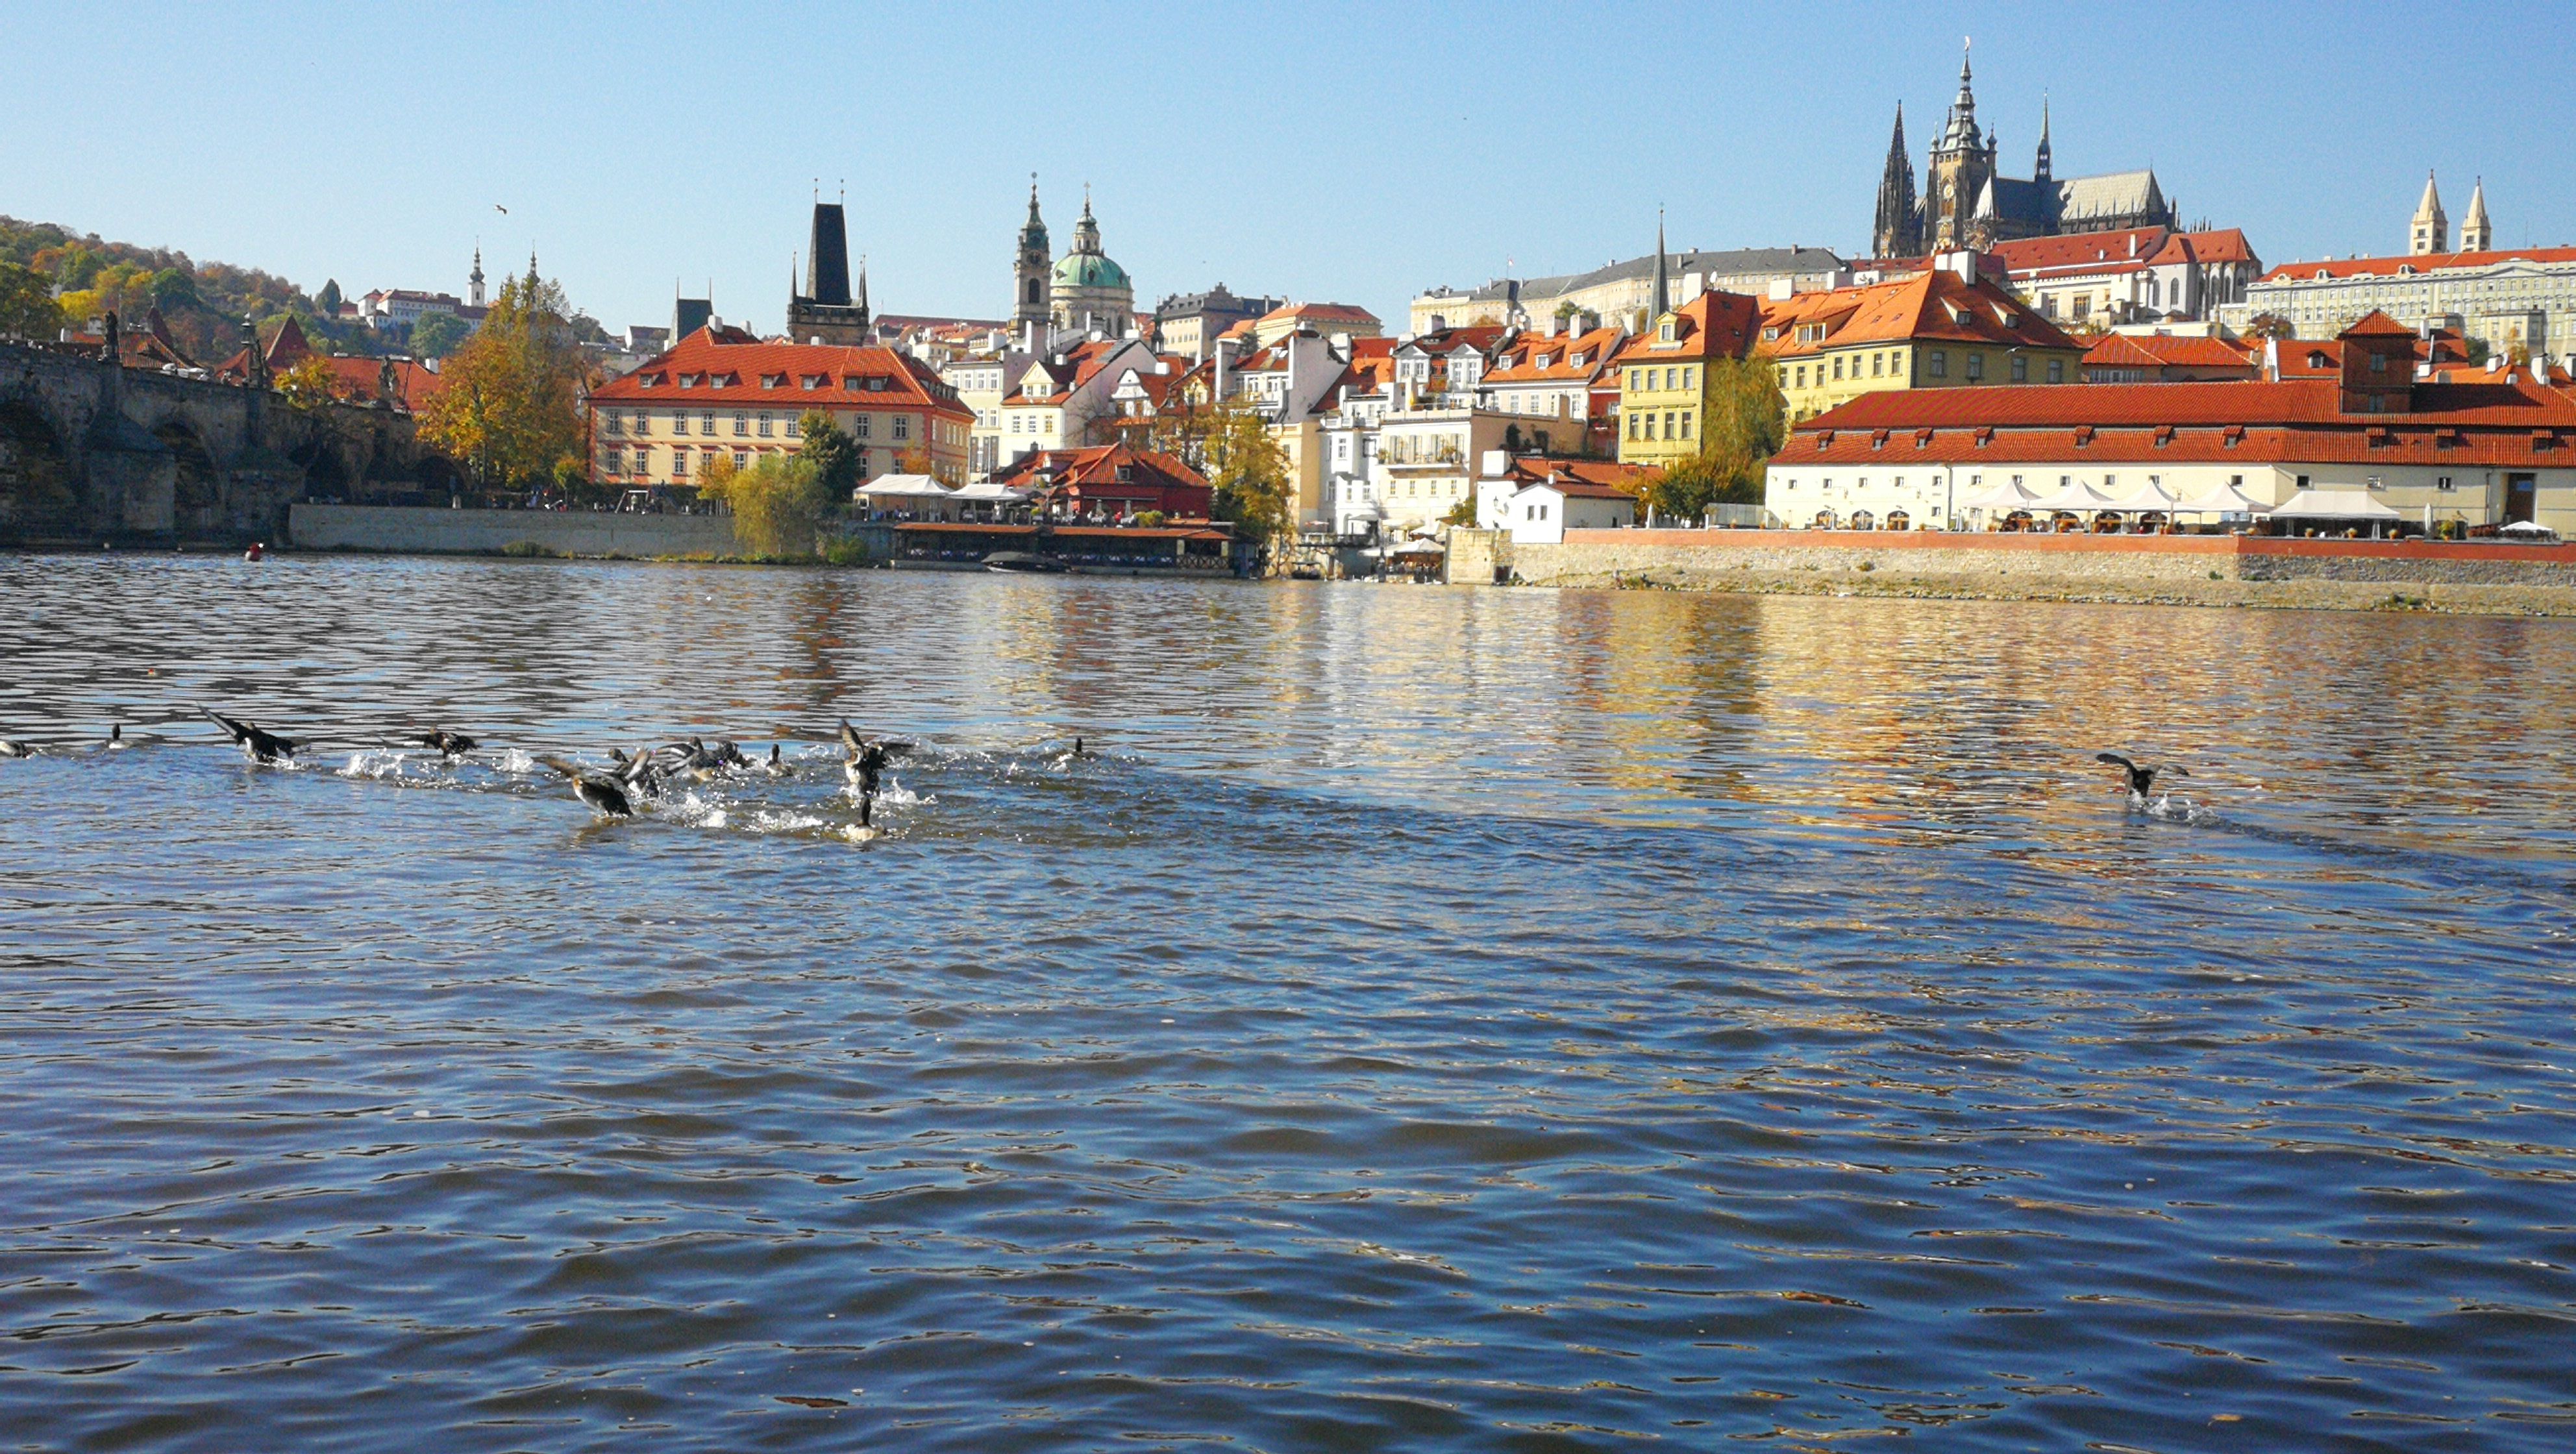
(721, 391)
(2130, 276)
(1947, 327)
(1667, 374)
(1090, 293)
(1624, 292)
(2418, 453)
(1190, 324)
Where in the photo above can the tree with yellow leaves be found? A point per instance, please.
(511, 408)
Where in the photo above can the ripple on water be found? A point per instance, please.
(1476, 1019)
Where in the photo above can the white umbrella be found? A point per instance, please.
(2333, 505)
(2078, 497)
(2148, 496)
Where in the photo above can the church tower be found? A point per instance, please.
(2431, 231)
(1029, 300)
(474, 279)
(2039, 169)
(1961, 164)
(1899, 229)
(2476, 233)
(823, 313)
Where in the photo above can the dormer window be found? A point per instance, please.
(773, 381)
(690, 381)
(1666, 334)
(814, 381)
(1539, 362)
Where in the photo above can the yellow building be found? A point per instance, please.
(1943, 328)
(1664, 378)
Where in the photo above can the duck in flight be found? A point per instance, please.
(603, 794)
(2141, 780)
(449, 745)
(863, 761)
(256, 745)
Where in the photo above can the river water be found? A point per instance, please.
(1425, 1019)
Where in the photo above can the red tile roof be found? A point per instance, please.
(1711, 326)
(2212, 404)
(1519, 364)
(1320, 313)
(2157, 351)
(1584, 478)
(732, 368)
(2079, 249)
(1154, 480)
(2223, 245)
(2391, 266)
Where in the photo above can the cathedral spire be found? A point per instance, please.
(1663, 272)
(2430, 232)
(1898, 231)
(1961, 133)
(2476, 233)
(2039, 171)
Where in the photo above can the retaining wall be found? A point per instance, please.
(489, 532)
(1707, 557)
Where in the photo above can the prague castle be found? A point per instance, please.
(1968, 203)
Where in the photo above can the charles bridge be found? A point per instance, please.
(93, 450)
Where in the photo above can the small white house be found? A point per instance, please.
(1540, 514)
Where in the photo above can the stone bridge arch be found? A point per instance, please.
(197, 479)
(39, 479)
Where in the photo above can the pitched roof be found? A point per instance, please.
(1933, 307)
(2221, 245)
(1588, 477)
(2217, 403)
(2159, 351)
(1519, 363)
(2033, 254)
(1711, 326)
(1098, 465)
(733, 368)
(1320, 313)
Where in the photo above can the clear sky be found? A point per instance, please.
(1353, 153)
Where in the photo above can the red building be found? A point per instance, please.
(1109, 480)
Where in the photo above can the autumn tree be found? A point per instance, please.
(1247, 472)
(1746, 422)
(2270, 325)
(27, 306)
(511, 406)
(310, 384)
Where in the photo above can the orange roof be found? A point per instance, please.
(1319, 313)
(1519, 364)
(1097, 467)
(733, 368)
(2391, 266)
(1929, 307)
(1582, 478)
(2221, 245)
(2212, 404)
(2159, 351)
(1712, 325)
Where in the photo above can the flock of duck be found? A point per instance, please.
(612, 792)
(615, 791)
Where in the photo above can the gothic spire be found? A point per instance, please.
(2039, 172)
(1897, 231)
(1663, 272)
(1961, 133)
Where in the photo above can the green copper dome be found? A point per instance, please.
(1089, 270)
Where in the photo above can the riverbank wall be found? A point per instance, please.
(409, 531)
(2228, 570)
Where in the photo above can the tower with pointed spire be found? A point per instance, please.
(2431, 229)
(2039, 167)
(824, 312)
(1961, 163)
(474, 280)
(2476, 233)
(1898, 231)
(1029, 269)
(1663, 300)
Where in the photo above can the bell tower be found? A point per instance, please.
(1961, 164)
(2431, 230)
(1031, 268)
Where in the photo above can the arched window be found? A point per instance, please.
(1033, 291)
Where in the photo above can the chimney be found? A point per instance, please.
(1782, 289)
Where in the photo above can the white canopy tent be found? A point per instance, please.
(2002, 499)
(2222, 500)
(2335, 505)
(987, 492)
(917, 495)
(2147, 496)
(2077, 497)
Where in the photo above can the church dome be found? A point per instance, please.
(1089, 270)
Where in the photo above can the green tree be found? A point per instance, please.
(174, 289)
(1745, 423)
(776, 503)
(511, 405)
(834, 455)
(27, 306)
(436, 335)
(329, 300)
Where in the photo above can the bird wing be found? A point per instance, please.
(2115, 760)
(849, 737)
(237, 731)
(561, 766)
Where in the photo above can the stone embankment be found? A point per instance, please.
(2219, 570)
(401, 530)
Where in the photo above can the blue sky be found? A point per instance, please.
(1356, 153)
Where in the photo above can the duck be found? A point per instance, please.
(2141, 780)
(603, 794)
(450, 745)
(863, 761)
(258, 746)
(10, 747)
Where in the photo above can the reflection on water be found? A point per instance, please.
(1486, 1019)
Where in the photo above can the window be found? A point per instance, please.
(903, 426)
(1838, 368)
(2057, 371)
(1939, 367)
(1976, 367)
(795, 427)
(1667, 333)
(860, 424)
(742, 423)
(707, 424)
(679, 464)
(1686, 424)
(1668, 424)
(1877, 364)
(2303, 482)
(764, 426)
(616, 422)
(2021, 368)
(679, 424)
(742, 459)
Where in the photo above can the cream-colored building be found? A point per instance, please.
(1625, 291)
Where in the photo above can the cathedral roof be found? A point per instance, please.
(2111, 194)
(1089, 270)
